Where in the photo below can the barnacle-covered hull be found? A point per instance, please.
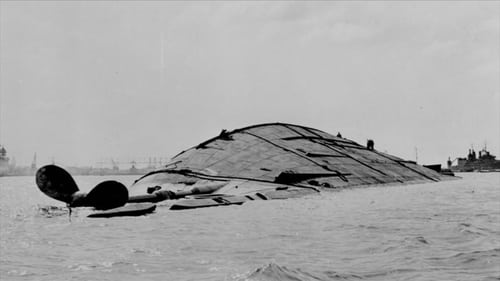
(274, 161)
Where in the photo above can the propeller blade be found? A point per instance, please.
(56, 182)
(107, 195)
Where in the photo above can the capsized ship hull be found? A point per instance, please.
(272, 161)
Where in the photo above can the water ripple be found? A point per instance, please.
(438, 231)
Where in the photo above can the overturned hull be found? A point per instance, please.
(272, 161)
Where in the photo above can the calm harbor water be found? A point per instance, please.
(437, 231)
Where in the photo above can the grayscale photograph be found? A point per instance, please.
(249, 140)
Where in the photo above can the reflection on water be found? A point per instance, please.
(438, 231)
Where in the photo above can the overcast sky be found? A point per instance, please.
(82, 82)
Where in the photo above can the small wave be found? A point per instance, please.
(342, 276)
(388, 272)
(103, 265)
(421, 239)
(370, 227)
(275, 272)
(492, 278)
(481, 215)
(469, 229)
(146, 251)
(475, 259)
(478, 254)
(416, 242)
(52, 211)
(19, 272)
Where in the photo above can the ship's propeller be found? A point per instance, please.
(57, 183)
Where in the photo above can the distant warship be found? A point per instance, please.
(8, 167)
(483, 162)
(4, 161)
